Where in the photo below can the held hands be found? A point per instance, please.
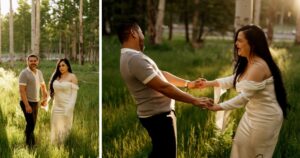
(204, 102)
(215, 107)
(198, 83)
(207, 103)
(201, 83)
(44, 103)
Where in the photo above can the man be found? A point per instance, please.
(154, 91)
(30, 82)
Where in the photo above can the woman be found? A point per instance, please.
(63, 90)
(258, 80)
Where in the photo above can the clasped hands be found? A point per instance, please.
(204, 102)
(44, 102)
(199, 83)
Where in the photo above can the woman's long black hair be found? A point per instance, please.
(259, 47)
(56, 74)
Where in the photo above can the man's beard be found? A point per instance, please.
(33, 66)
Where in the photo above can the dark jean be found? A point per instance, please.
(162, 130)
(30, 122)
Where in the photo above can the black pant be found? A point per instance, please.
(30, 122)
(162, 130)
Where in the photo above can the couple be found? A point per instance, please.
(256, 77)
(63, 90)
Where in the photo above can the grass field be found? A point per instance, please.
(123, 135)
(83, 140)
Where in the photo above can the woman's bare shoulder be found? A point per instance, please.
(263, 66)
(73, 78)
(258, 71)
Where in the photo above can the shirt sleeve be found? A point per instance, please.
(41, 77)
(142, 68)
(247, 91)
(226, 82)
(23, 79)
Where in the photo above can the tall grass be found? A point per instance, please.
(83, 140)
(289, 142)
(123, 136)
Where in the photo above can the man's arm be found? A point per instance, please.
(173, 92)
(177, 81)
(44, 94)
(22, 89)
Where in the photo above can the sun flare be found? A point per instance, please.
(5, 6)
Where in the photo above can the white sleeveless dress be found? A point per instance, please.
(259, 128)
(65, 94)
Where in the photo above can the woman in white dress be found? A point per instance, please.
(258, 80)
(63, 90)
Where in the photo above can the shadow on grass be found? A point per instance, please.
(78, 146)
(144, 152)
(5, 150)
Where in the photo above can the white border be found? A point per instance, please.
(100, 78)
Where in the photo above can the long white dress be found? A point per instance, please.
(65, 94)
(259, 128)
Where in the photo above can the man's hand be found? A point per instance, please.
(28, 109)
(44, 102)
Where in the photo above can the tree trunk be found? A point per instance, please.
(186, 22)
(96, 53)
(171, 20)
(201, 30)
(151, 21)
(282, 10)
(11, 34)
(104, 23)
(33, 25)
(81, 55)
(243, 13)
(160, 22)
(257, 9)
(297, 40)
(271, 19)
(65, 49)
(195, 21)
(74, 42)
(60, 44)
(37, 28)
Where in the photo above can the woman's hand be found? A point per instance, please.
(215, 107)
(203, 83)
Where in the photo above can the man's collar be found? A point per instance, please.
(123, 50)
